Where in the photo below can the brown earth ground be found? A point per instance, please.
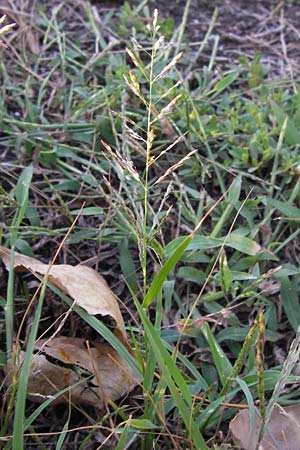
(245, 28)
(241, 28)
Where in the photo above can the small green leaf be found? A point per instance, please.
(226, 278)
(285, 208)
(23, 185)
(225, 83)
(191, 274)
(243, 244)
(242, 276)
(235, 190)
(234, 240)
(292, 134)
(24, 247)
(89, 211)
(33, 216)
(142, 424)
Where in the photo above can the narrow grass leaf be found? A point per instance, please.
(290, 302)
(233, 240)
(127, 266)
(22, 194)
(142, 424)
(89, 211)
(224, 83)
(292, 134)
(245, 388)
(162, 355)
(242, 244)
(285, 208)
(63, 435)
(191, 274)
(23, 185)
(19, 418)
(159, 279)
(173, 378)
(235, 190)
(168, 290)
(124, 437)
(221, 361)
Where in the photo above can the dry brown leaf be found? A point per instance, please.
(99, 372)
(32, 40)
(83, 284)
(282, 433)
(64, 361)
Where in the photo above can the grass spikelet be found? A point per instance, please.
(260, 363)
(244, 352)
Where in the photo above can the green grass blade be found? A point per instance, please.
(290, 302)
(233, 240)
(124, 437)
(288, 365)
(221, 361)
(224, 83)
(21, 194)
(19, 418)
(292, 134)
(244, 387)
(159, 279)
(285, 208)
(127, 266)
(63, 435)
(242, 244)
(173, 378)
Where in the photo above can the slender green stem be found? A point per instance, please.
(9, 307)
(148, 156)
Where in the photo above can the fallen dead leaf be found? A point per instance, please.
(83, 284)
(282, 433)
(64, 361)
(32, 41)
(95, 374)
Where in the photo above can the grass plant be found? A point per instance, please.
(185, 187)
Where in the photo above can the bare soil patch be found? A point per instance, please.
(244, 28)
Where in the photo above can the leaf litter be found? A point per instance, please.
(95, 371)
(282, 433)
(97, 374)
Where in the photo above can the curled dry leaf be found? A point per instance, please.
(87, 287)
(95, 374)
(99, 374)
(282, 433)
